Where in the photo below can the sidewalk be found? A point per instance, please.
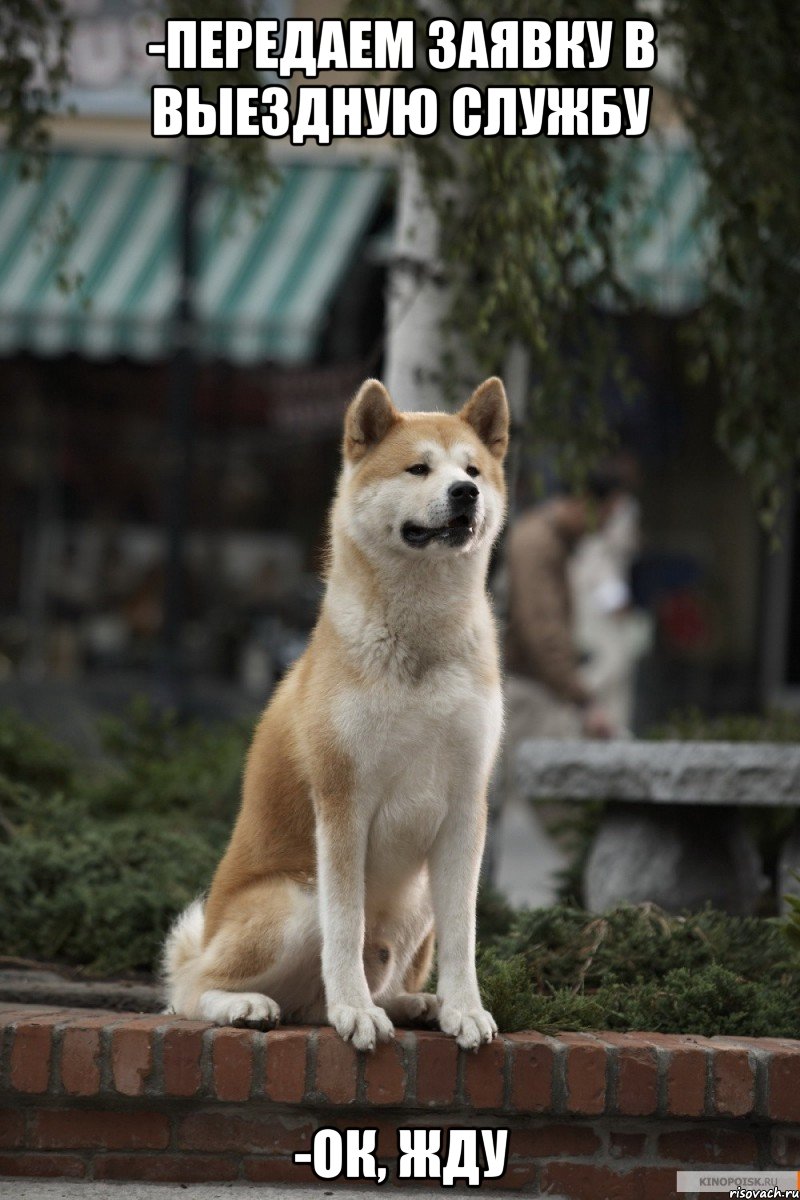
(58, 1189)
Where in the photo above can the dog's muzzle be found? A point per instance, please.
(462, 498)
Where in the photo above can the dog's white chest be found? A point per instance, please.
(392, 731)
(415, 751)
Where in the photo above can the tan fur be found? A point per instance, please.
(304, 770)
(417, 974)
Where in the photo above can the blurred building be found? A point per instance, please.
(286, 317)
(281, 317)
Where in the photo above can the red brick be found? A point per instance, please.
(73, 1129)
(484, 1071)
(131, 1058)
(337, 1067)
(554, 1141)
(437, 1062)
(687, 1072)
(785, 1148)
(31, 1054)
(658, 1183)
(232, 1063)
(286, 1065)
(278, 1170)
(750, 1043)
(581, 1181)
(637, 1074)
(515, 1177)
(532, 1059)
(10, 1012)
(216, 1131)
(42, 1166)
(12, 1128)
(584, 1182)
(709, 1147)
(387, 1130)
(626, 1145)
(784, 1085)
(734, 1083)
(166, 1168)
(385, 1073)
(80, 1061)
(182, 1050)
(585, 1074)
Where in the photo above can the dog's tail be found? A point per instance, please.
(180, 959)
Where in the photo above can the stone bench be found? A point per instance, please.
(672, 831)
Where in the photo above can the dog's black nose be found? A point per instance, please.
(462, 494)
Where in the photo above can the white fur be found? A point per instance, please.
(239, 1008)
(184, 942)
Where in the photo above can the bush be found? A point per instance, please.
(691, 725)
(30, 756)
(95, 863)
(161, 766)
(637, 968)
(99, 895)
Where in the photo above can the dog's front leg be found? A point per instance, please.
(341, 857)
(454, 866)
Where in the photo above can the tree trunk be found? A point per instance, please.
(417, 300)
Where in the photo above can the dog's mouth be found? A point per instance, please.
(456, 532)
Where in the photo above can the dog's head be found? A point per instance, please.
(427, 484)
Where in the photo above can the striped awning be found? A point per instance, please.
(89, 254)
(662, 242)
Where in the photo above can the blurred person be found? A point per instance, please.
(611, 634)
(547, 695)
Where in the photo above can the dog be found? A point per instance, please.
(363, 812)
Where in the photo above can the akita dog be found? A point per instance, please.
(364, 799)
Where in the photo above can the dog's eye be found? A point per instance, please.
(472, 471)
(419, 469)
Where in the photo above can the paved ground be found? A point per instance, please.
(24, 1189)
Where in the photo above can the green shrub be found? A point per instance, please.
(692, 725)
(30, 756)
(160, 765)
(567, 947)
(95, 863)
(100, 894)
(710, 1002)
(637, 968)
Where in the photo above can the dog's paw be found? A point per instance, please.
(251, 1009)
(469, 1026)
(413, 1006)
(364, 1027)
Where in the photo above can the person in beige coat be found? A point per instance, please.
(546, 693)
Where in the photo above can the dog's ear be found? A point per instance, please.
(369, 418)
(487, 412)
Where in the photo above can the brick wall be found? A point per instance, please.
(104, 1095)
